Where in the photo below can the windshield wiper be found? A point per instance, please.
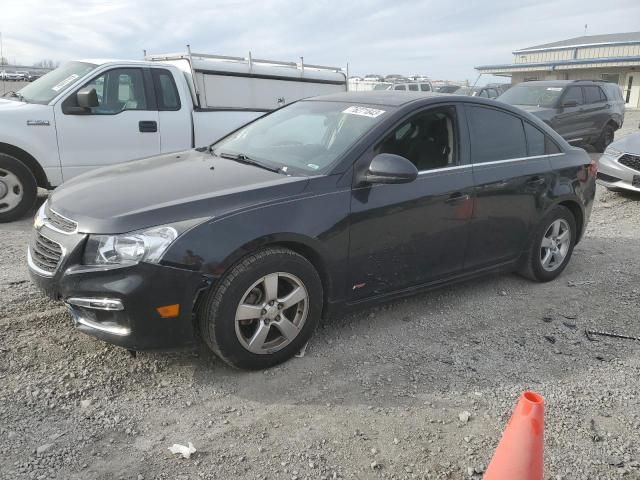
(242, 158)
(14, 94)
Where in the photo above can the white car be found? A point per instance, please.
(92, 113)
(619, 166)
(11, 76)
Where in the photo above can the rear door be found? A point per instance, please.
(511, 172)
(570, 121)
(596, 110)
(413, 233)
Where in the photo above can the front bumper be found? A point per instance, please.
(616, 176)
(118, 305)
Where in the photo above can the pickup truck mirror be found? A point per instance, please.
(569, 103)
(390, 168)
(87, 98)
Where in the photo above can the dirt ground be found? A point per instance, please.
(379, 393)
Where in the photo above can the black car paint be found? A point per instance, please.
(367, 241)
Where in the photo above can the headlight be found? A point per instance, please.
(40, 217)
(129, 248)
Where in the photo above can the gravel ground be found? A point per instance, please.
(379, 393)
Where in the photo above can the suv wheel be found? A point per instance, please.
(551, 246)
(605, 139)
(18, 188)
(263, 310)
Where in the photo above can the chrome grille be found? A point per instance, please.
(631, 161)
(45, 253)
(59, 222)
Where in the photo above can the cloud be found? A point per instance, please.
(437, 38)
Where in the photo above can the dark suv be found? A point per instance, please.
(584, 112)
(321, 205)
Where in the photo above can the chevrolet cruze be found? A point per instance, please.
(321, 205)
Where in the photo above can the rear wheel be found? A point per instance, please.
(551, 246)
(605, 139)
(18, 188)
(263, 310)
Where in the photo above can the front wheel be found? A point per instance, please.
(551, 246)
(18, 188)
(263, 310)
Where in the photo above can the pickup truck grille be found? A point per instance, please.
(59, 222)
(631, 161)
(45, 253)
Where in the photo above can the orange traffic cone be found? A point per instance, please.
(519, 455)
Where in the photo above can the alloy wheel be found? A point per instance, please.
(271, 313)
(11, 190)
(555, 245)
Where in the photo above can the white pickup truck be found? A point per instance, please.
(91, 113)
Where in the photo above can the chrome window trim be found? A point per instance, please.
(496, 162)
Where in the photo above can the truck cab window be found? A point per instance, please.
(119, 90)
(166, 91)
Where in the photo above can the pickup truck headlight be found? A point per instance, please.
(147, 245)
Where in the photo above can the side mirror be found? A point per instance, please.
(87, 98)
(569, 103)
(389, 168)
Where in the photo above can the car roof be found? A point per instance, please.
(561, 83)
(391, 98)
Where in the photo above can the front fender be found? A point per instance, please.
(31, 128)
(315, 226)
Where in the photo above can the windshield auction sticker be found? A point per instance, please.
(65, 82)
(364, 111)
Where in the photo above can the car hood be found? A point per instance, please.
(628, 144)
(166, 189)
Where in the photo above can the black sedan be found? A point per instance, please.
(324, 204)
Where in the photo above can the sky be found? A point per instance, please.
(442, 39)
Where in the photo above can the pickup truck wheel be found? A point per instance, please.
(263, 311)
(605, 139)
(18, 188)
(551, 246)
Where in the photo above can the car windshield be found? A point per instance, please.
(532, 95)
(306, 137)
(47, 87)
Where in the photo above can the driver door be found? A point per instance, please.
(124, 126)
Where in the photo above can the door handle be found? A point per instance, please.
(536, 181)
(148, 126)
(457, 197)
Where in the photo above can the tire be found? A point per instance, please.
(245, 292)
(18, 188)
(533, 265)
(606, 137)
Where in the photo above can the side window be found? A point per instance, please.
(550, 146)
(592, 94)
(535, 140)
(484, 94)
(166, 90)
(425, 87)
(493, 93)
(573, 94)
(486, 146)
(428, 139)
(400, 87)
(119, 90)
(413, 87)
